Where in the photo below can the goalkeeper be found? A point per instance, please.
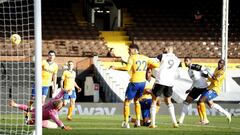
(49, 111)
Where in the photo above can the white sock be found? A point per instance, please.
(172, 113)
(220, 109)
(138, 123)
(184, 112)
(153, 114)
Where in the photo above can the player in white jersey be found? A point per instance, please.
(199, 85)
(165, 76)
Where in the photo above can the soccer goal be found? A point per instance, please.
(17, 63)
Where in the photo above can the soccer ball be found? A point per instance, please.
(15, 39)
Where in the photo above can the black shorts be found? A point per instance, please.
(158, 89)
(196, 92)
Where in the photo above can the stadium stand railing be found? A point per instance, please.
(114, 83)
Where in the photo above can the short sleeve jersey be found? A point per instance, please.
(48, 69)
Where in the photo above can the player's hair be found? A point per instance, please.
(57, 103)
(222, 61)
(51, 51)
(147, 72)
(111, 49)
(187, 58)
(70, 61)
(134, 46)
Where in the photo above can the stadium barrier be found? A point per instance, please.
(116, 109)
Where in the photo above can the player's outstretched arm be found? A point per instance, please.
(205, 70)
(54, 116)
(12, 103)
(124, 68)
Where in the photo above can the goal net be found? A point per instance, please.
(16, 64)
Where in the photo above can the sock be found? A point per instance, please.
(200, 112)
(138, 112)
(70, 109)
(126, 110)
(153, 114)
(172, 113)
(220, 109)
(203, 110)
(184, 112)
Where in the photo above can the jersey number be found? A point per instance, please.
(141, 65)
(170, 63)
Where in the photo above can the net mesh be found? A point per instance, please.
(16, 65)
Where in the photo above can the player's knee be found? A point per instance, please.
(126, 103)
(72, 102)
(158, 102)
(198, 102)
(64, 103)
(167, 100)
(210, 104)
(136, 101)
(202, 99)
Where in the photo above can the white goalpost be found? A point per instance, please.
(225, 14)
(38, 61)
(18, 70)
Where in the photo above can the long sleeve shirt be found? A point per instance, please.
(48, 110)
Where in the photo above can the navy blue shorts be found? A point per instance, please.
(134, 90)
(145, 107)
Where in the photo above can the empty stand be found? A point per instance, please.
(63, 33)
(173, 22)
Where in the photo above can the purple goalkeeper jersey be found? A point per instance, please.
(48, 110)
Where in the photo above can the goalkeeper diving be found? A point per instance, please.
(49, 112)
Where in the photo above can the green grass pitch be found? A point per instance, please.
(111, 125)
